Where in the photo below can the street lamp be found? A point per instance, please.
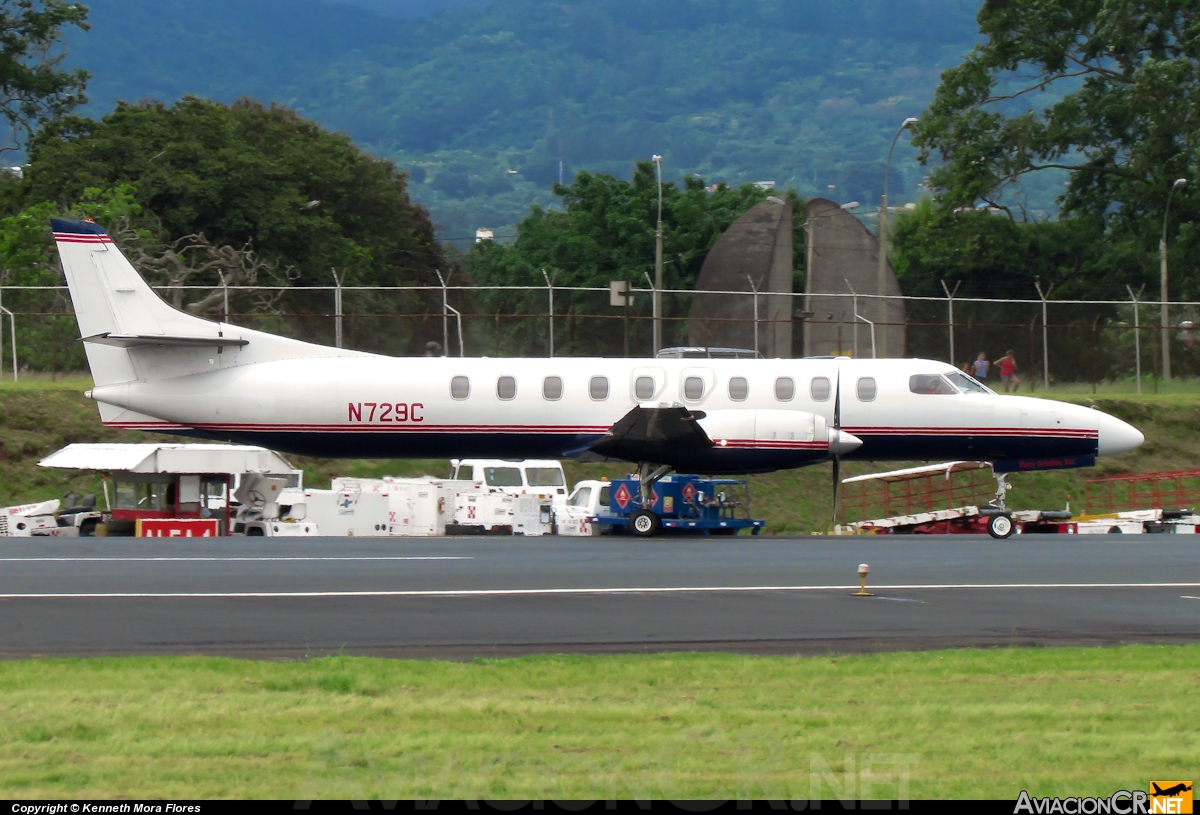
(658, 261)
(1162, 254)
(883, 225)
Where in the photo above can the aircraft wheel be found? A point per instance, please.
(645, 523)
(1000, 526)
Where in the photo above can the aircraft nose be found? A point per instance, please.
(1117, 437)
(841, 442)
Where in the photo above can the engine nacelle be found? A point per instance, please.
(737, 427)
(777, 429)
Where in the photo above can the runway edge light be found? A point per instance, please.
(863, 571)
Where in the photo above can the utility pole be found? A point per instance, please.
(658, 263)
(1165, 315)
(883, 227)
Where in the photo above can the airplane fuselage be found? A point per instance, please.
(385, 407)
(159, 369)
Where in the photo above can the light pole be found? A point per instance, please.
(1162, 255)
(658, 262)
(883, 225)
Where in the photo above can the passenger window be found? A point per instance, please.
(785, 389)
(552, 388)
(460, 387)
(582, 497)
(693, 388)
(598, 387)
(930, 384)
(820, 389)
(506, 387)
(866, 389)
(739, 389)
(643, 387)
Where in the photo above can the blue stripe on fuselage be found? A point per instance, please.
(716, 460)
(970, 448)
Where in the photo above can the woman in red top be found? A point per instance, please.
(1008, 372)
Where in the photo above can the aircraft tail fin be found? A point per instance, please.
(116, 309)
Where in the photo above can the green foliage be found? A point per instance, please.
(197, 189)
(33, 84)
(1117, 83)
(245, 173)
(981, 254)
(28, 257)
(606, 232)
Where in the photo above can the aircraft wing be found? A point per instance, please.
(657, 434)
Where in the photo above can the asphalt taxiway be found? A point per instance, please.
(465, 597)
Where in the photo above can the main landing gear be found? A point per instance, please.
(645, 522)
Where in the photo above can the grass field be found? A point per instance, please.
(41, 416)
(948, 724)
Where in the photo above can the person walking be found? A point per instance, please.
(980, 367)
(1008, 372)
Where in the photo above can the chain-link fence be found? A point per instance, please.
(1053, 341)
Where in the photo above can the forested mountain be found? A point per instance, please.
(805, 93)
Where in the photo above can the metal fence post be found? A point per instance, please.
(550, 289)
(12, 322)
(1045, 335)
(445, 316)
(337, 307)
(950, 305)
(754, 289)
(854, 306)
(1137, 335)
(462, 352)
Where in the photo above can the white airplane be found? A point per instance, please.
(159, 369)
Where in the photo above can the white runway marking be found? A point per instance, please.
(601, 591)
(1188, 597)
(207, 559)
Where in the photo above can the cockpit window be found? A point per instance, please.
(930, 384)
(965, 383)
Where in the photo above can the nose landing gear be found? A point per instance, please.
(1001, 525)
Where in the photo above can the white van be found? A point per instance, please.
(542, 477)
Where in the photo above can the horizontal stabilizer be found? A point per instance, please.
(144, 340)
(659, 435)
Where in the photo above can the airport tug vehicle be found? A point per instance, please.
(681, 504)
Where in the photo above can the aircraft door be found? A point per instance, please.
(647, 384)
(859, 397)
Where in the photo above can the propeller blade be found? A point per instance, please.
(837, 400)
(837, 490)
(837, 459)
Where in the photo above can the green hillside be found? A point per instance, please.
(40, 418)
(481, 104)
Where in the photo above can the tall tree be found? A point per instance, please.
(34, 88)
(242, 173)
(1116, 82)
